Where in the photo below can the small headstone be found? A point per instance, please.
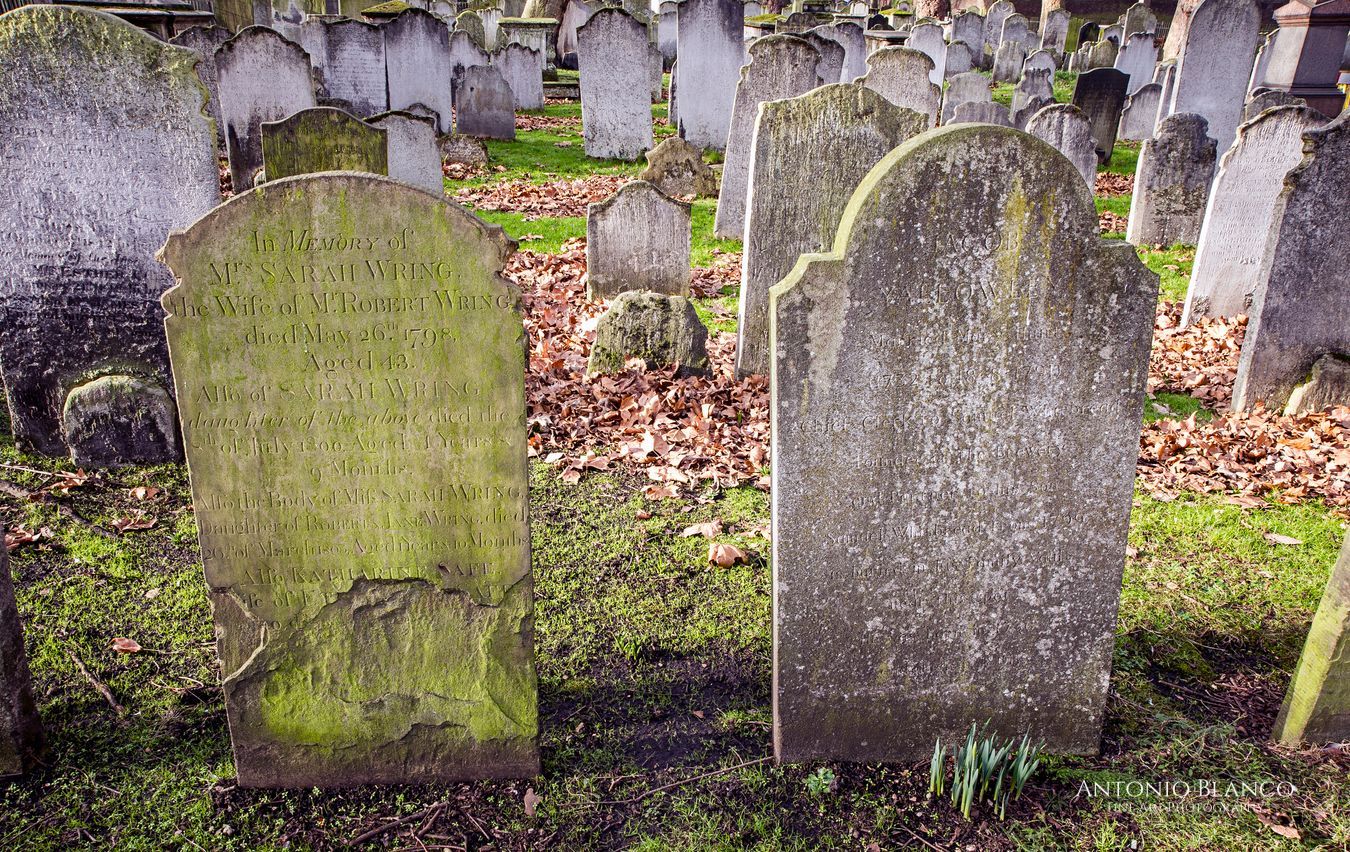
(831, 67)
(1316, 707)
(903, 77)
(1008, 61)
(810, 152)
(1215, 65)
(1137, 59)
(1066, 128)
(676, 168)
(21, 738)
(323, 139)
(1102, 55)
(1100, 94)
(960, 59)
(849, 36)
(971, 87)
(661, 330)
(411, 149)
(354, 68)
(927, 39)
(1328, 386)
(206, 41)
(1140, 115)
(1265, 99)
(1055, 30)
(1139, 19)
(1301, 309)
(463, 149)
(616, 115)
(350, 367)
(1171, 183)
(120, 420)
(419, 67)
(523, 68)
(961, 578)
(780, 66)
(637, 239)
(1041, 60)
(976, 112)
(484, 105)
(1238, 214)
(711, 52)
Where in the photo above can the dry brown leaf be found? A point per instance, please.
(532, 801)
(145, 492)
(726, 555)
(123, 645)
(138, 521)
(1277, 538)
(708, 529)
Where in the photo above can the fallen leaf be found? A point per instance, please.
(123, 645)
(726, 555)
(532, 801)
(138, 521)
(1286, 831)
(145, 492)
(1276, 538)
(708, 529)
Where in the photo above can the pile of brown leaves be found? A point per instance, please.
(525, 121)
(542, 200)
(1110, 184)
(1200, 360)
(462, 171)
(708, 281)
(1108, 222)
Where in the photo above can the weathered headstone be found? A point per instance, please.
(961, 579)
(117, 420)
(1262, 62)
(1171, 183)
(810, 153)
(970, 87)
(523, 68)
(1317, 705)
(637, 239)
(993, 25)
(323, 139)
(676, 168)
(484, 105)
(1137, 58)
(711, 52)
(616, 116)
(1055, 30)
(1327, 386)
(903, 77)
(1035, 87)
(471, 24)
(1067, 130)
(464, 54)
(354, 68)
(927, 39)
(262, 77)
(350, 367)
(1015, 29)
(1238, 213)
(1102, 54)
(1138, 19)
(1166, 76)
(831, 67)
(849, 36)
(1041, 60)
(206, 41)
(1114, 34)
(968, 27)
(1215, 65)
(1100, 94)
(780, 66)
(655, 71)
(1265, 99)
(666, 27)
(1008, 61)
(107, 146)
(960, 59)
(419, 67)
(411, 149)
(978, 112)
(1301, 308)
(21, 738)
(673, 104)
(662, 330)
(1088, 32)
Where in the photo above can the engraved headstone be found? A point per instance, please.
(927, 39)
(637, 239)
(484, 105)
(676, 168)
(1100, 94)
(323, 139)
(107, 146)
(970, 87)
(959, 59)
(1138, 119)
(831, 67)
(1316, 706)
(1041, 60)
(904, 613)
(1215, 65)
(353, 68)
(968, 27)
(1015, 29)
(616, 115)
(1008, 61)
(262, 77)
(810, 152)
(993, 25)
(1264, 99)
(411, 149)
(711, 54)
(903, 77)
(350, 366)
(206, 41)
(1068, 131)
(21, 738)
(1137, 58)
(978, 112)
(420, 71)
(1171, 183)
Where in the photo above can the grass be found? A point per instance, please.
(1173, 266)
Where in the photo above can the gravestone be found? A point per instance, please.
(1055, 30)
(1316, 706)
(1265, 99)
(902, 76)
(616, 114)
(849, 36)
(661, 330)
(107, 146)
(1067, 130)
(1114, 34)
(968, 27)
(1238, 213)
(411, 149)
(1139, 19)
(779, 67)
(1301, 308)
(419, 66)
(712, 52)
(206, 41)
(350, 366)
(1041, 60)
(959, 59)
(354, 68)
(1171, 183)
(1008, 61)
(323, 139)
(1100, 94)
(977, 112)
(1166, 76)
(1102, 54)
(927, 39)
(1262, 61)
(1327, 386)
(654, 70)
(637, 239)
(1015, 29)
(1215, 65)
(971, 87)
(676, 168)
(904, 613)
(1137, 59)
(831, 67)
(464, 54)
(673, 104)
(471, 24)
(523, 68)
(484, 105)
(666, 32)
(262, 77)
(118, 420)
(21, 738)
(1140, 115)
(993, 25)
(1088, 32)
(1035, 87)
(810, 153)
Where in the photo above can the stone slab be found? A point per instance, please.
(637, 239)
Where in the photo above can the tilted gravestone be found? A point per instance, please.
(832, 54)
(418, 64)
(927, 39)
(970, 87)
(107, 146)
(206, 41)
(1171, 183)
(354, 68)
(903, 77)
(676, 168)
(484, 105)
(659, 329)
(1316, 706)
(1067, 130)
(1215, 65)
(411, 150)
(323, 139)
(523, 68)
(262, 77)
(1301, 309)
(961, 579)
(614, 66)
(21, 738)
(351, 368)
(1100, 94)
(637, 239)
(810, 153)
(1138, 119)
(711, 54)
(780, 66)
(1238, 214)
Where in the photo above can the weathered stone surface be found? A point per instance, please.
(928, 40)
(831, 67)
(654, 71)
(419, 66)
(1008, 61)
(1327, 386)
(205, 41)
(107, 146)
(1265, 99)
(673, 105)
(323, 139)
(968, 27)
(1067, 130)
(676, 168)
(1036, 84)
(1171, 183)
(711, 54)
(637, 239)
(1137, 58)
(993, 25)
(780, 66)
(1262, 62)
(1301, 308)
(1215, 65)
(411, 149)
(975, 112)
(849, 36)
(262, 77)
(661, 330)
(21, 738)
(464, 54)
(484, 105)
(1317, 705)
(666, 34)
(616, 115)
(1140, 115)
(960, 59)
(1138, 19)
(1055, 30)
(971, 87)
(114, 421)
(961, 577)
(1240, 210)
(1102, 54)
(471, 23)
(810, 153)
(353, 72)
(357, 446)
(1015, 29)
(1100, 94)
(1166, 75)
(903, 77)
(1041, 60)
(463, 149)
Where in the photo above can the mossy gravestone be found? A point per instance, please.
(352, 369)
(323, 139)
(1317, 706)
(972, 358)
(20, 731)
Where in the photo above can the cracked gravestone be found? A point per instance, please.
(323, 139)
(21, 738)
(637, 239)
(351, 369)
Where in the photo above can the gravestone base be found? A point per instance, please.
(1328, 385)
(114, 421)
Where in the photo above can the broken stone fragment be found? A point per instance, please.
(661, 330)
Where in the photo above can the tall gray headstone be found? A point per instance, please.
(262, 77)
(849, 36)
(412, 153)
(993, 25)
(968, 27)
(523, 68)
(927, 39)
(417, 56)
(1215, 65)
(637, 239)
(107, 146)
(206, 41)
(809, 154)
(1171, 183)
(21, 738)
(354, 68)
(961, 579)
(712, 53)
(612, 59)
(903, 77)
(484, 105)
(666, 27)
(1138, 119)
(1136, 58)
(1100, 94)
(1138, 19)
(970, 87)
(1067, 130)
(1055, 30)
(1015, 29)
